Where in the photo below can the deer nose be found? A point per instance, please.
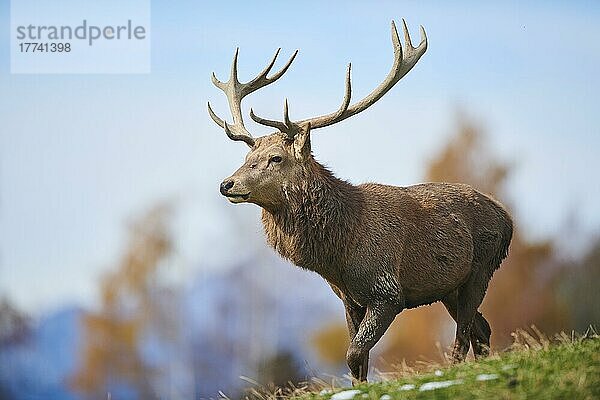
(225, 186)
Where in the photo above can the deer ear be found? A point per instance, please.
(302, 142)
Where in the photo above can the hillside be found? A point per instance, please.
(532, 370)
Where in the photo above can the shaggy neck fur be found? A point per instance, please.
(320, 213)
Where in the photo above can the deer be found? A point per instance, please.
(381, 248)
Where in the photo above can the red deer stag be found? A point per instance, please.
(382, 248)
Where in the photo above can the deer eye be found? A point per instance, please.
(275, 159)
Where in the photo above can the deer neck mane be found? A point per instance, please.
(320, 218)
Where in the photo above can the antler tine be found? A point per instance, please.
(423, 38)
(347, 96)
(286, 114)
(217, 82)
(284, 69)
(406, 34)
(249, 140)
(236, 91)
(268, 122)
(287, 126)
(291, 128)
(233, 75)
(214, 116)
(262, 79)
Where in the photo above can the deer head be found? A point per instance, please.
(277, 160)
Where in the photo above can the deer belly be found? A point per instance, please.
(431, 276)
(367, 284)
(436, 261)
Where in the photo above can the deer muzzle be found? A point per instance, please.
(227, 189)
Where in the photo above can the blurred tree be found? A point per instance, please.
(331, 342)
(14, 325)
(112, 358)
(578, 284)
(280, 370)
(466, 158)
(15, 329)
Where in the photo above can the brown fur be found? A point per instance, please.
(381, 248)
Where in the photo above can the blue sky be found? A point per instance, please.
(80, 155)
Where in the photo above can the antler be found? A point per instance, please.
(404, 61)
(236, 91)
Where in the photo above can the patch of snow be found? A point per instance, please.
(486, 377)
(365, 396)
(345, 395)
(439, 385)
(324, 392)
(408, 386)
(438, 372)
(385, 397)
(507, 367)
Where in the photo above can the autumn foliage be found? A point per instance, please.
(111, 356)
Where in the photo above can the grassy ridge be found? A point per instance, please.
(534, 370)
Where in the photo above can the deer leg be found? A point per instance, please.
(469, 298)
(480, 329)
(378, 318)
(354, 316)
(451, 304)
(463, 333)
(480, 336)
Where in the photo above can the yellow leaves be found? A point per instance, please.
(331, 343)
(111, 351)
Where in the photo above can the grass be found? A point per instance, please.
(534, 368)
